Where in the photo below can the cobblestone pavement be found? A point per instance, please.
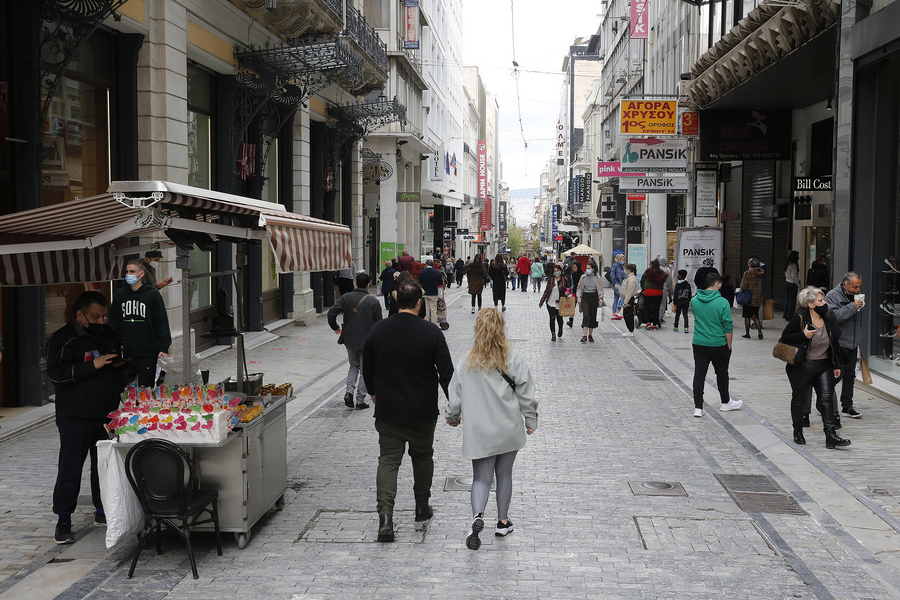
(615, 415)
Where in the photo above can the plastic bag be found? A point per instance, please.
(174, 369)
(124, 515)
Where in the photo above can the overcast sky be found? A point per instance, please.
(543, 32)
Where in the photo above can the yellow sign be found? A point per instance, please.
(649, 117)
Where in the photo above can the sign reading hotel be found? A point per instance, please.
(653, 156)
(649, 117)
(639, 19)
(612, 169)
(654, 185)
(412, 19)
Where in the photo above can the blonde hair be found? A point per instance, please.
(491, 348)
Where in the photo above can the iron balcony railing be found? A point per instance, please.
(336, 6)
(366, 38)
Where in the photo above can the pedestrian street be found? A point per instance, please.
(620, 493)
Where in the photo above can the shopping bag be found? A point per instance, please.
(567, 307)
(865, 375)
(124, 515)
(768, 309)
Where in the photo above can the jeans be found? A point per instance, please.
(617, 300)
(819, 375)
(848, 376)
(393, 439)
(354, 373)
(523, 282)
(536, 284)
(77, 439)
(719, 356)
(555, 319)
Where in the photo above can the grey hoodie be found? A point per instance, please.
(848, 316)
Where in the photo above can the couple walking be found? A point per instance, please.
(493, 379)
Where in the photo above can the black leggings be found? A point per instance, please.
(651, 309)
(818, 374)
(473, 300)
(628, 316)
(555, 319)
(681, 310)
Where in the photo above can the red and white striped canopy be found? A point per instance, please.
(77, 241)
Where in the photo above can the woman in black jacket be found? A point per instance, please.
(498, 272)
(818, 330)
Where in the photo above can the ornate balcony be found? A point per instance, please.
(292, 18)
(373, 49)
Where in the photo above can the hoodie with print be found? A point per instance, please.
(139, 316)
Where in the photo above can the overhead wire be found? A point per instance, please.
(515, 76)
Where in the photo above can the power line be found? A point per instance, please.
(515, 73)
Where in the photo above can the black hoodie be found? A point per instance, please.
(139, 317)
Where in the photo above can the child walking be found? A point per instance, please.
(682, 299)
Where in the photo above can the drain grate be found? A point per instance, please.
(459, 484)
(759, 494)
(656, 488)
(644, 375)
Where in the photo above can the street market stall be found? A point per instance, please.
(86, 240)
(583, 253)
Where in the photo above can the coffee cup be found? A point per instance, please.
(859, 298)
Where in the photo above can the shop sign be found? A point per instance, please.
(655, 156)
(813, 184)
(690, 123)
(655, 185)
(560, 143)
(698, 247)
(639, 19)
(377, 170)
(745, 135)
(450, 224)
(482, 169)
(554, 220)
(471, 237)
(501, 218)
(649, 117)
(637, 254)
(612, 169)
(706, 178)
(634, 228)
(636, 197)
(412, 20)
(486, 215)
(408, 196)
(437, 169)
(388, 251)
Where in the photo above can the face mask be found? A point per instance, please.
(95, 328)
(556, 273)
(822, 310)
(588, 271)
(131, 279)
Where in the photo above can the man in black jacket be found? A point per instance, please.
(360, 311)
(404, 360)
(83, 363)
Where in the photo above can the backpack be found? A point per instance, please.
(608, 278)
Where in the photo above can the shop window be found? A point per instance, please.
(200, 168)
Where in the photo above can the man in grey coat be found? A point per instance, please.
(361, 311)
(848, 310)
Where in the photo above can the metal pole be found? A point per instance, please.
(186, 322)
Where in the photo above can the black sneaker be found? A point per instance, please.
(348, 400)
(63, 534)
(503, 529)
(99, 519)
(851, 412)
(472, 541)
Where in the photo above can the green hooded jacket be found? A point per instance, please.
(712, 318)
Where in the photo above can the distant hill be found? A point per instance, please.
(524, 193)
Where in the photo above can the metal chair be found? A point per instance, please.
(163, 477)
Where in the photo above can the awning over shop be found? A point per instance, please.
(77, 241)
(582, 250)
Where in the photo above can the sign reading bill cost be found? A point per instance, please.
(649, 117)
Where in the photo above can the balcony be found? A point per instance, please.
(294, 18)
(372, 48)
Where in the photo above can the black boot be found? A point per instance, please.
(385, 528)
(798, 436)
(833, 440)
(837, 421)
(806, 419)
(423, 512)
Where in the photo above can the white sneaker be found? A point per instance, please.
(698, 412)
(732, 405)
(628, 334)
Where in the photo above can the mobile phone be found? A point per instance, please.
(811, 327)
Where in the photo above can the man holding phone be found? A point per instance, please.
(846, 302)
(83, 362)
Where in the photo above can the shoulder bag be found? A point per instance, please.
(340, 339)
(743, 297)
(792, 354)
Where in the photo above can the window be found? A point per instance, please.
(200, 167)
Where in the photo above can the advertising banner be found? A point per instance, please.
(412, 21)
(501, 218)
(486, 215)
(639, 19)
(706, 179)
(637, 254)
(560, 143)
(482, 170)
(655, 156)
(649, 117)
(388, 251)
(436, 172)
(698, 247)
(655, 185)
(618, 224)
(690, 123)
(554, 220)
(634, 229)
(607, 169)
(745, 135)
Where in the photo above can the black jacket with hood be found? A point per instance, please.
(139, 316)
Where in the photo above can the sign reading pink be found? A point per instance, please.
(613, 169)
(639, 19)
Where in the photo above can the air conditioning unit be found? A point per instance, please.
(620, 75)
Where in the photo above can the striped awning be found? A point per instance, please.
(78, 241)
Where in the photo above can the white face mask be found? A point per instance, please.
(588, 271)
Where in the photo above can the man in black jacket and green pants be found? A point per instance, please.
(83, 363)
(138, 315)
(405, 358)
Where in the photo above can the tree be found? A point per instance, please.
(536, 246)
(516, 241)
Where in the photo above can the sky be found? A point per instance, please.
(543, 32)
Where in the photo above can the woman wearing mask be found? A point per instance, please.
(575, 275)
(493, 390)
(476, 273)
(652, 282)
(628, 290)
(556, 289)
(752, 280)
(816, 328)
(590, 289)
(498, 274)
(791, 284)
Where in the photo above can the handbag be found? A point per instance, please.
(340, 339)
(743, 297)
(792, 354)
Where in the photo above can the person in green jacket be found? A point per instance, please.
(713, 329)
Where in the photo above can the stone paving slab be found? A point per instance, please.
(576, 518)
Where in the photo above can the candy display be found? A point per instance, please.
(285, 389)
(201, 413)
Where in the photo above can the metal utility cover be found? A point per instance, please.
(653, 375)
(657, 488)
(456, 483)
(759, 494)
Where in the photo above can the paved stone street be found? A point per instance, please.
(615, 415)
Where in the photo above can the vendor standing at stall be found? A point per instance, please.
(152, 257)
(138, 315)
(83, 363)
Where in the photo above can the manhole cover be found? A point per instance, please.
(759, 494)
(656, 488)
(459, 484)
